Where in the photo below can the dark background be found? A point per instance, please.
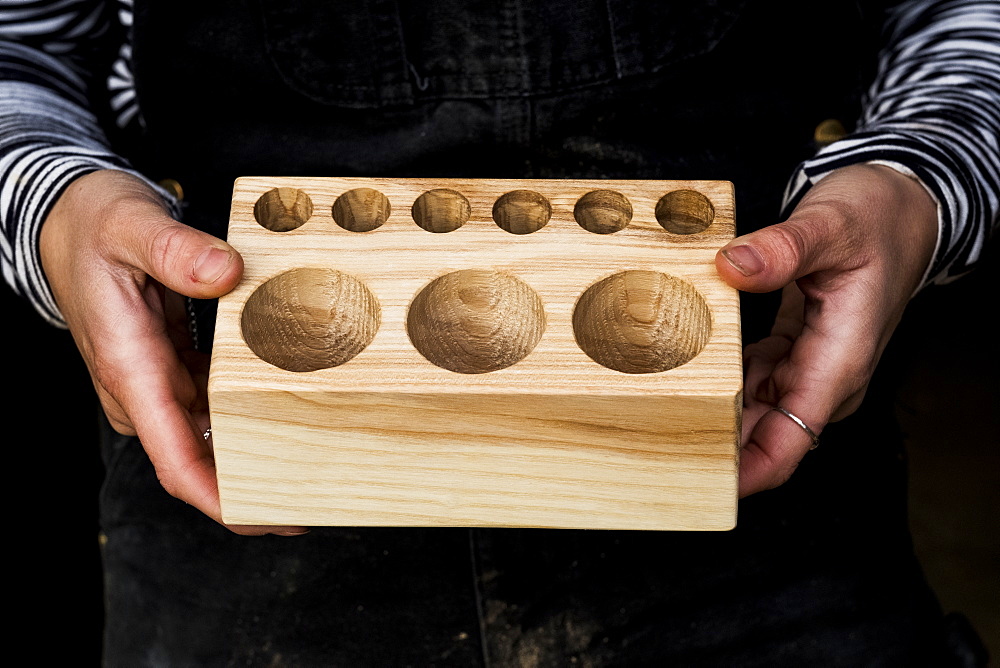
(945, 352)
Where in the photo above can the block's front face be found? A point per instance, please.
(445, 352)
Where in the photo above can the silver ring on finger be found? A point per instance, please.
(794, 418)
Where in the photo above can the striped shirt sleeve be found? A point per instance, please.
(933, 113)
(48, 134)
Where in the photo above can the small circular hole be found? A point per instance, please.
(283, 209)
(361, 210)
(522, 211)
(308, 319)
(475, 321)
(684, 212)
(603, 211)
(441, 210)
(641, 322)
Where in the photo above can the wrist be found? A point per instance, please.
(926, 211)
(75, 228)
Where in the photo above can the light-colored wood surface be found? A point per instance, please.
(445, 352)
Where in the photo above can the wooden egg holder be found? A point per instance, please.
(558, 354)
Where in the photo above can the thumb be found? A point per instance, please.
(774, 256)
(186, 260)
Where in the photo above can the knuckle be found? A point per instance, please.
(769, 391)
(169, 482)
(855, 377)
(783, 469)
(123, 428)
(118, 419)
(175, 476)
(848, 407)
(111, 383)
(791, 240)
(107, 373)
(166, 244)
(827, 215)
(838, 228)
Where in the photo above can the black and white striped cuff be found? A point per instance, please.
(967, 207)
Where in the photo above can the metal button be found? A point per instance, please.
(172, 187)
(829, 131)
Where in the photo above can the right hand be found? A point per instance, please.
(117, 262)
(848, 259)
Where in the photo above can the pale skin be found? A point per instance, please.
(849, 258)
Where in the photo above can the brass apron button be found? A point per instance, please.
(172, 187)
(829, 131)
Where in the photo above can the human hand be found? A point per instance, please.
(118, 264)
(848, 260)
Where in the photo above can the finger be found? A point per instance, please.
(774, 256)
(138, 366)
(759, 361)
(116, 415)
(771, 450)
(831, 361)
(822, 378)
(761, 358)
(185, 260)
(185, 465)
(753, 411)
(180, 453)
(774, 449)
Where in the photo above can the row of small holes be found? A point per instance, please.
(518, 212)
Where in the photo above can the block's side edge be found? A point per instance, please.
(499, 474)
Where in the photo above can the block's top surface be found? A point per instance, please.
(479, 286)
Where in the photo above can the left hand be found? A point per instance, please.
(848, 260)
(118, 263)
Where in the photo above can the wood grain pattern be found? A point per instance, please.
(282, 209)
(491, 353)
(641, 321)
(603, 211)
(475, 321)
(522, 211)
(441, 210)
(308, 319)
(361, 210)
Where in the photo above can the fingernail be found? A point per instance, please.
(745, 258)
(211, 264)
(301, 532)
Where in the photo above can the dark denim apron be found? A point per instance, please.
(818, 572)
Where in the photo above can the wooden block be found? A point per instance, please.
(446, 352)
